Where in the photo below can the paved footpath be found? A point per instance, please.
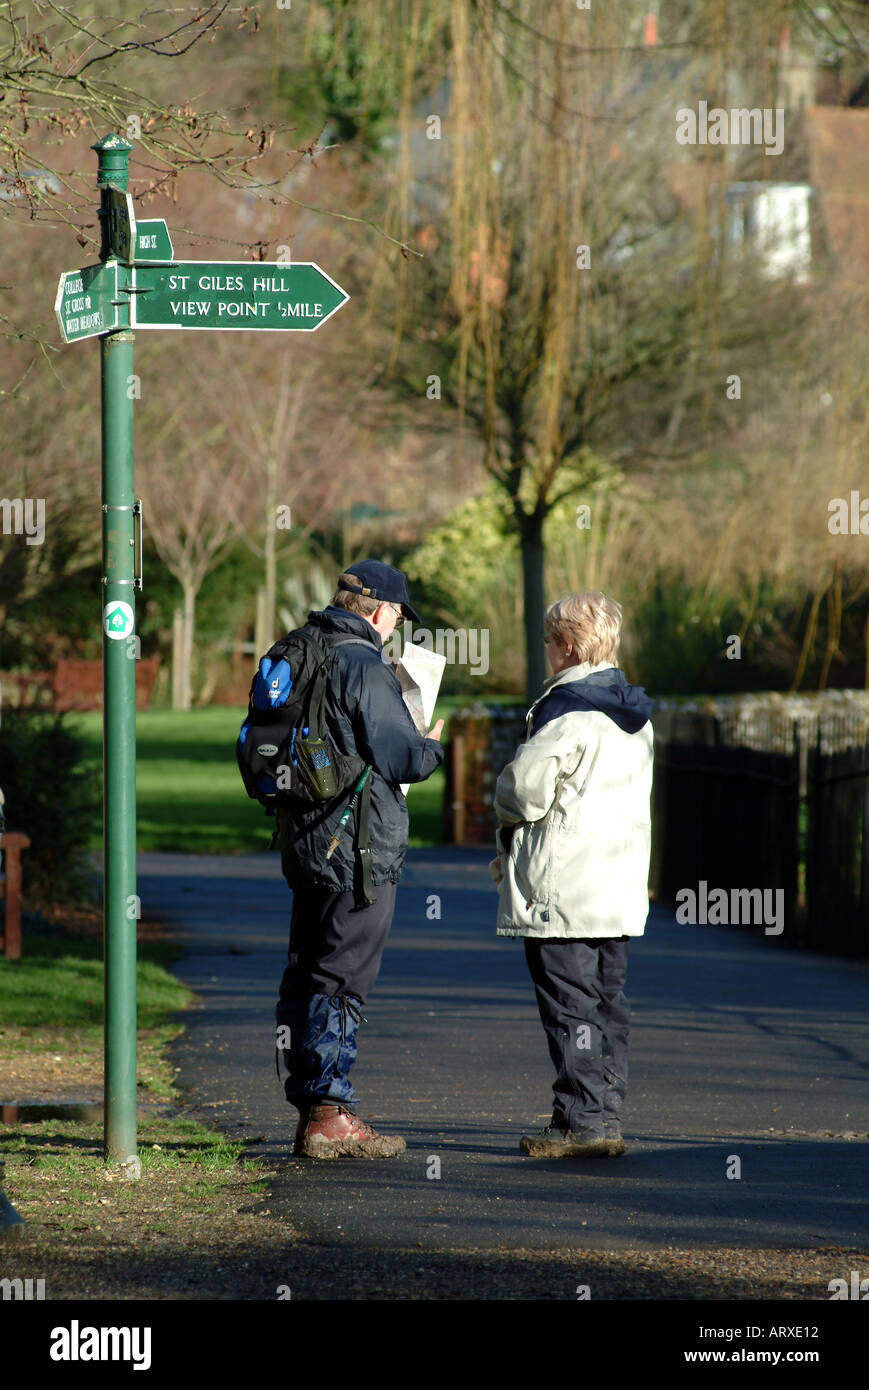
(740, 1048)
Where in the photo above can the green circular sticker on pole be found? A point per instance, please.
(118, 620)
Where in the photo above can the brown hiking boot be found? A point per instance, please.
(332, 1131)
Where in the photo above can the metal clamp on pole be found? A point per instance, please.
(138, 572)
(135, 542)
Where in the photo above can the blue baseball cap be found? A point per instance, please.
(380, 581)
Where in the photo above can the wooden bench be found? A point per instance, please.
(11, 845)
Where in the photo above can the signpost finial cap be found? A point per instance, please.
(114, 156)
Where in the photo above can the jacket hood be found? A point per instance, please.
(341, 620)
(593, 688)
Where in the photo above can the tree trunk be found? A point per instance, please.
(177, 658)
(187, 645)
(261, 639)
(532, 586)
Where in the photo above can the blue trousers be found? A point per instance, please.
(333, 960)
(580, 996)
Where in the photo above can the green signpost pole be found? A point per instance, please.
(138, 285)
(119, 514)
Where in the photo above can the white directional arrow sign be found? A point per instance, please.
(266, 295)
(87, 301)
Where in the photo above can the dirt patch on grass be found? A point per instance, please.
(90, 1233)
(72, 1067)
(50, 1061)
(29, 1071)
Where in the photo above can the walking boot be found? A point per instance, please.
(334, 1131)
(553, 1142)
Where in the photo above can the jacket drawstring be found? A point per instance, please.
(352, 1007)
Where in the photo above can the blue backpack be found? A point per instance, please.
(284, 751)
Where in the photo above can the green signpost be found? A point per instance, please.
(87, 301)
(153, 242)
(270, 295)
(138, 286)
(118, 222)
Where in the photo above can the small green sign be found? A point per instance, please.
(118, 222)
(86, 302)
(153, 242)
(265, 295)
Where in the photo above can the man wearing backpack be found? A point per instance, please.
(344, 893)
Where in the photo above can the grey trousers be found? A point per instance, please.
(580, 995)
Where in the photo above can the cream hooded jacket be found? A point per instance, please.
(577, 795)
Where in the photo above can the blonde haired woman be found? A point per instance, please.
(573, 860)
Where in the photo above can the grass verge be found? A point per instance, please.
(51, 1017)
(189, 795)
(88, 1230)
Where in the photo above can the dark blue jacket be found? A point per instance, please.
(365, 714)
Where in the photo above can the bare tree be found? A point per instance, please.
(570, 300)
(192, 493)
(77, 70)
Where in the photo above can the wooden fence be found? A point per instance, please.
(72, 685)
(836, 917)
(748, 794)
(728, 817)
(769, 796)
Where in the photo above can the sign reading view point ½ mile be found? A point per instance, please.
(266, 295)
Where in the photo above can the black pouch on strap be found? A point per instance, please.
(362, 888)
